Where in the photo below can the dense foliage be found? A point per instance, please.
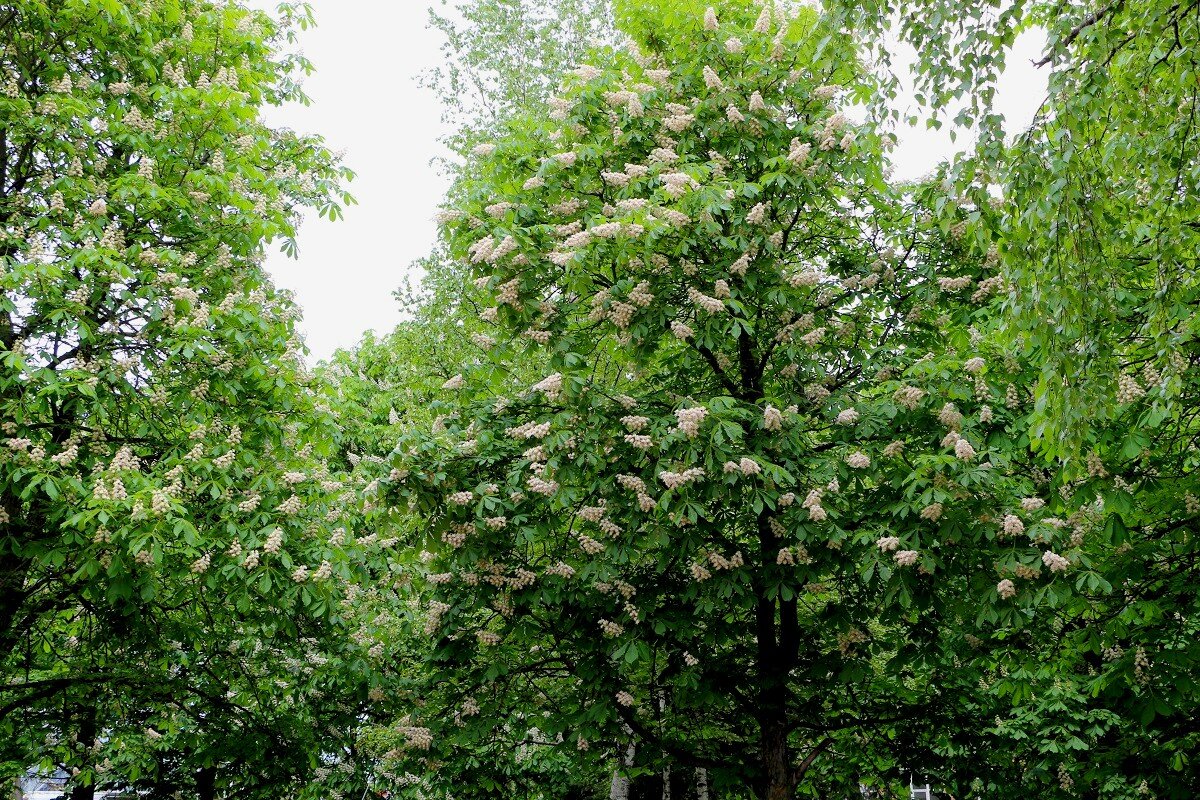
(171, 551)
(768, 476)
(707, 463)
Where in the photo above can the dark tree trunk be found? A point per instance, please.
(777, 774)
(206, 783)
(87, 738)
(778, 646)
(13, 571)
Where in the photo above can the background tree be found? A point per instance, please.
(162, 488)
(1097, 198)
(503, 56)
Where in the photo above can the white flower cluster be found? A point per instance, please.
(274, 541)
(848, 416)
(1055, 562)
(677, 184)
(551, 385)
(816, 512)
(416, 738)
(953, 285)
(609, 628)
(909, 396)
(674, 480)
(710, 304)
(688, 420)
(858, 460)
(1012, 525)
(744, 466)
(1128, 389)
(529, 430)
(539, 485)
(636, 485)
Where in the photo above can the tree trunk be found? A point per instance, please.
(13, 571)
(776, 762)
(206, 783)
(701, 783)
(87, 738)
(666, 772)
(777, 631)
(619, 789)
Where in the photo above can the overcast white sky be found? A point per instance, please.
(366, 101)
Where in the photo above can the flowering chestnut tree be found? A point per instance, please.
(769, 472)
(163, 495)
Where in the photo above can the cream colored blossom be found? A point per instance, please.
(1055, 562)
(848, 416)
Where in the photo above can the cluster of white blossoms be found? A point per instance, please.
(906, 558)
(539, 485)
(673, 480)
(828, 138)
(1141, 673)
(551, 385)
(909, 396)
(610, 628)
(688, 420)
(274, 541)
(681, 331)
(950, 416)
(290, 506)
(1128, 389)
(529, 430)
(1006, 589)
(954, 285)
(858, 460)
(1055, 562)
(457, 382)
(720, 562)
(1031, 504)
(888, 544)
(932, 512)
(816, 512)
(1012, 525)
(744, 466)
(709, 304)
(415, 737)
(848, 416)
